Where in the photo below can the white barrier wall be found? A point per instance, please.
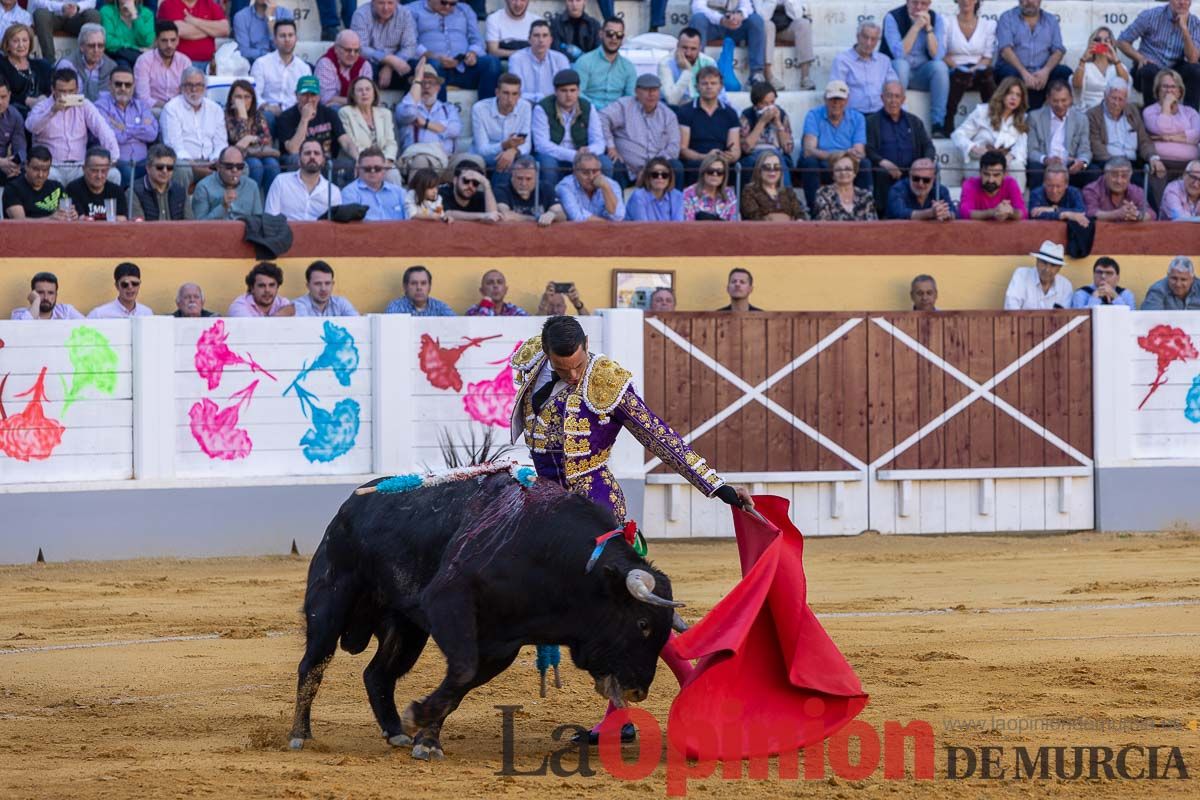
(66, 401)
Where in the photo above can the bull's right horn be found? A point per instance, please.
(641, 585)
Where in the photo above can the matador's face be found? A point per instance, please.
(571, 368)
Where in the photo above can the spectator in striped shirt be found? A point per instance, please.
(1168, 37)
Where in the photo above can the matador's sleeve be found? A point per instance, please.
(661, 439)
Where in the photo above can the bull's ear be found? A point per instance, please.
(614, 581)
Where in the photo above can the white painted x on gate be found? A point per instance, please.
(980, 391)
(757, 393)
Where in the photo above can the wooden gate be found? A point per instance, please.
(901, 422)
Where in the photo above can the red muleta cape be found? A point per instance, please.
(769, 679)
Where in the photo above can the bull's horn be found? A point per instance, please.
(678, 624)
(641, 585)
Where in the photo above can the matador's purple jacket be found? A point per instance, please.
(572, 438)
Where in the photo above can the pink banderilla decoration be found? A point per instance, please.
(491, 402)
(30, 435)
(438, 363)
(1168, 344)
(215, 429)
(213, 355)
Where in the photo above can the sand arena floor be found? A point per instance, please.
(1103, 627)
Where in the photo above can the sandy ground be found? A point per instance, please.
(209, 717)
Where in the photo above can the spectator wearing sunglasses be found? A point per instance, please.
(470, 197)
(156, 197)
(655, 199)
(915, 197)
(711, 197)
(127, 277)
(131, 120)
(384, 200)
(228, 193)
(605, 75)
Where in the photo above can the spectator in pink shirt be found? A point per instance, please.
(1113, 197)
(157, 71)
(62, 123)
(128, 279)
(262, 297)
(1173, 127)
(43, 300)
(993, 195)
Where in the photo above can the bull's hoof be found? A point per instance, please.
(297, 743)
(400, 740)
(424, 752)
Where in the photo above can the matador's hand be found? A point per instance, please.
(738, 497)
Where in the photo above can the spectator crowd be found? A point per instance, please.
(567, 128)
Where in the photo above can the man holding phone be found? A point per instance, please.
(554, 300)
(63, 123)
(1168, 36)
(500, 128)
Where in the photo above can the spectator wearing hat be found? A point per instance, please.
(828, 129)
(308, 119)
(500, 128)
(864, 69)
(1040, 286)
(448, 38)
(339, 67)
(1104, 290)
(604, 74)
(1179, 291)
(740, 24)
(993, 194)
(1113, 197)
(423, 119)
(537, 64)
(639, 128)
(708, 126)
(563, 125)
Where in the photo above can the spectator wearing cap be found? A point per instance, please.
(388, 36)
(864, 69)
(914, 37)
(639, 128)
(448, 37)
(564, 125)
(1179, 291)
(308, 119)
(417, 302)
(492, 289)
(708, 126)
(740, 24)
(587, 195)
(828, 129)
(895, 139)
(320, 300)
(43, 301)
(604, 74)
(993, 194)
(262, 297)
(157, 72)
(1113, 197)
(194, 127)
(500, 128)
(518, 199)
(64, 129)
(200, 24)
(127, 277)
(422, 118)
(1040, 286)
(339, 67)
(1104, 290)
(920, 196)
(1029, 46)
(384, 200)
(1168, 37)
(537, 64)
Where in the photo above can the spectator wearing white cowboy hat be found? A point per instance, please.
(1039, 287)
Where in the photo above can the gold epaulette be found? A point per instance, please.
(604, 384)
(528, 356)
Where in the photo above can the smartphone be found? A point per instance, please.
(563, 288)
(72, 100)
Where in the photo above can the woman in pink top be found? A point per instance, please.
(1173, 127)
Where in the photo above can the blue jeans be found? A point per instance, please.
(130, 171)
(1036, 98)
(815, 172)
(607, 9)
(932, 77)
(263, 171)
(749, 33)
(328, 12)
(551, 171)
(482, 77)
(658, 13)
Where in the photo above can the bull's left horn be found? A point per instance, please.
(641, 585)
(678, 624)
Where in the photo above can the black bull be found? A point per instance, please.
(485, 566)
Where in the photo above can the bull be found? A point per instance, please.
(484, 566)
